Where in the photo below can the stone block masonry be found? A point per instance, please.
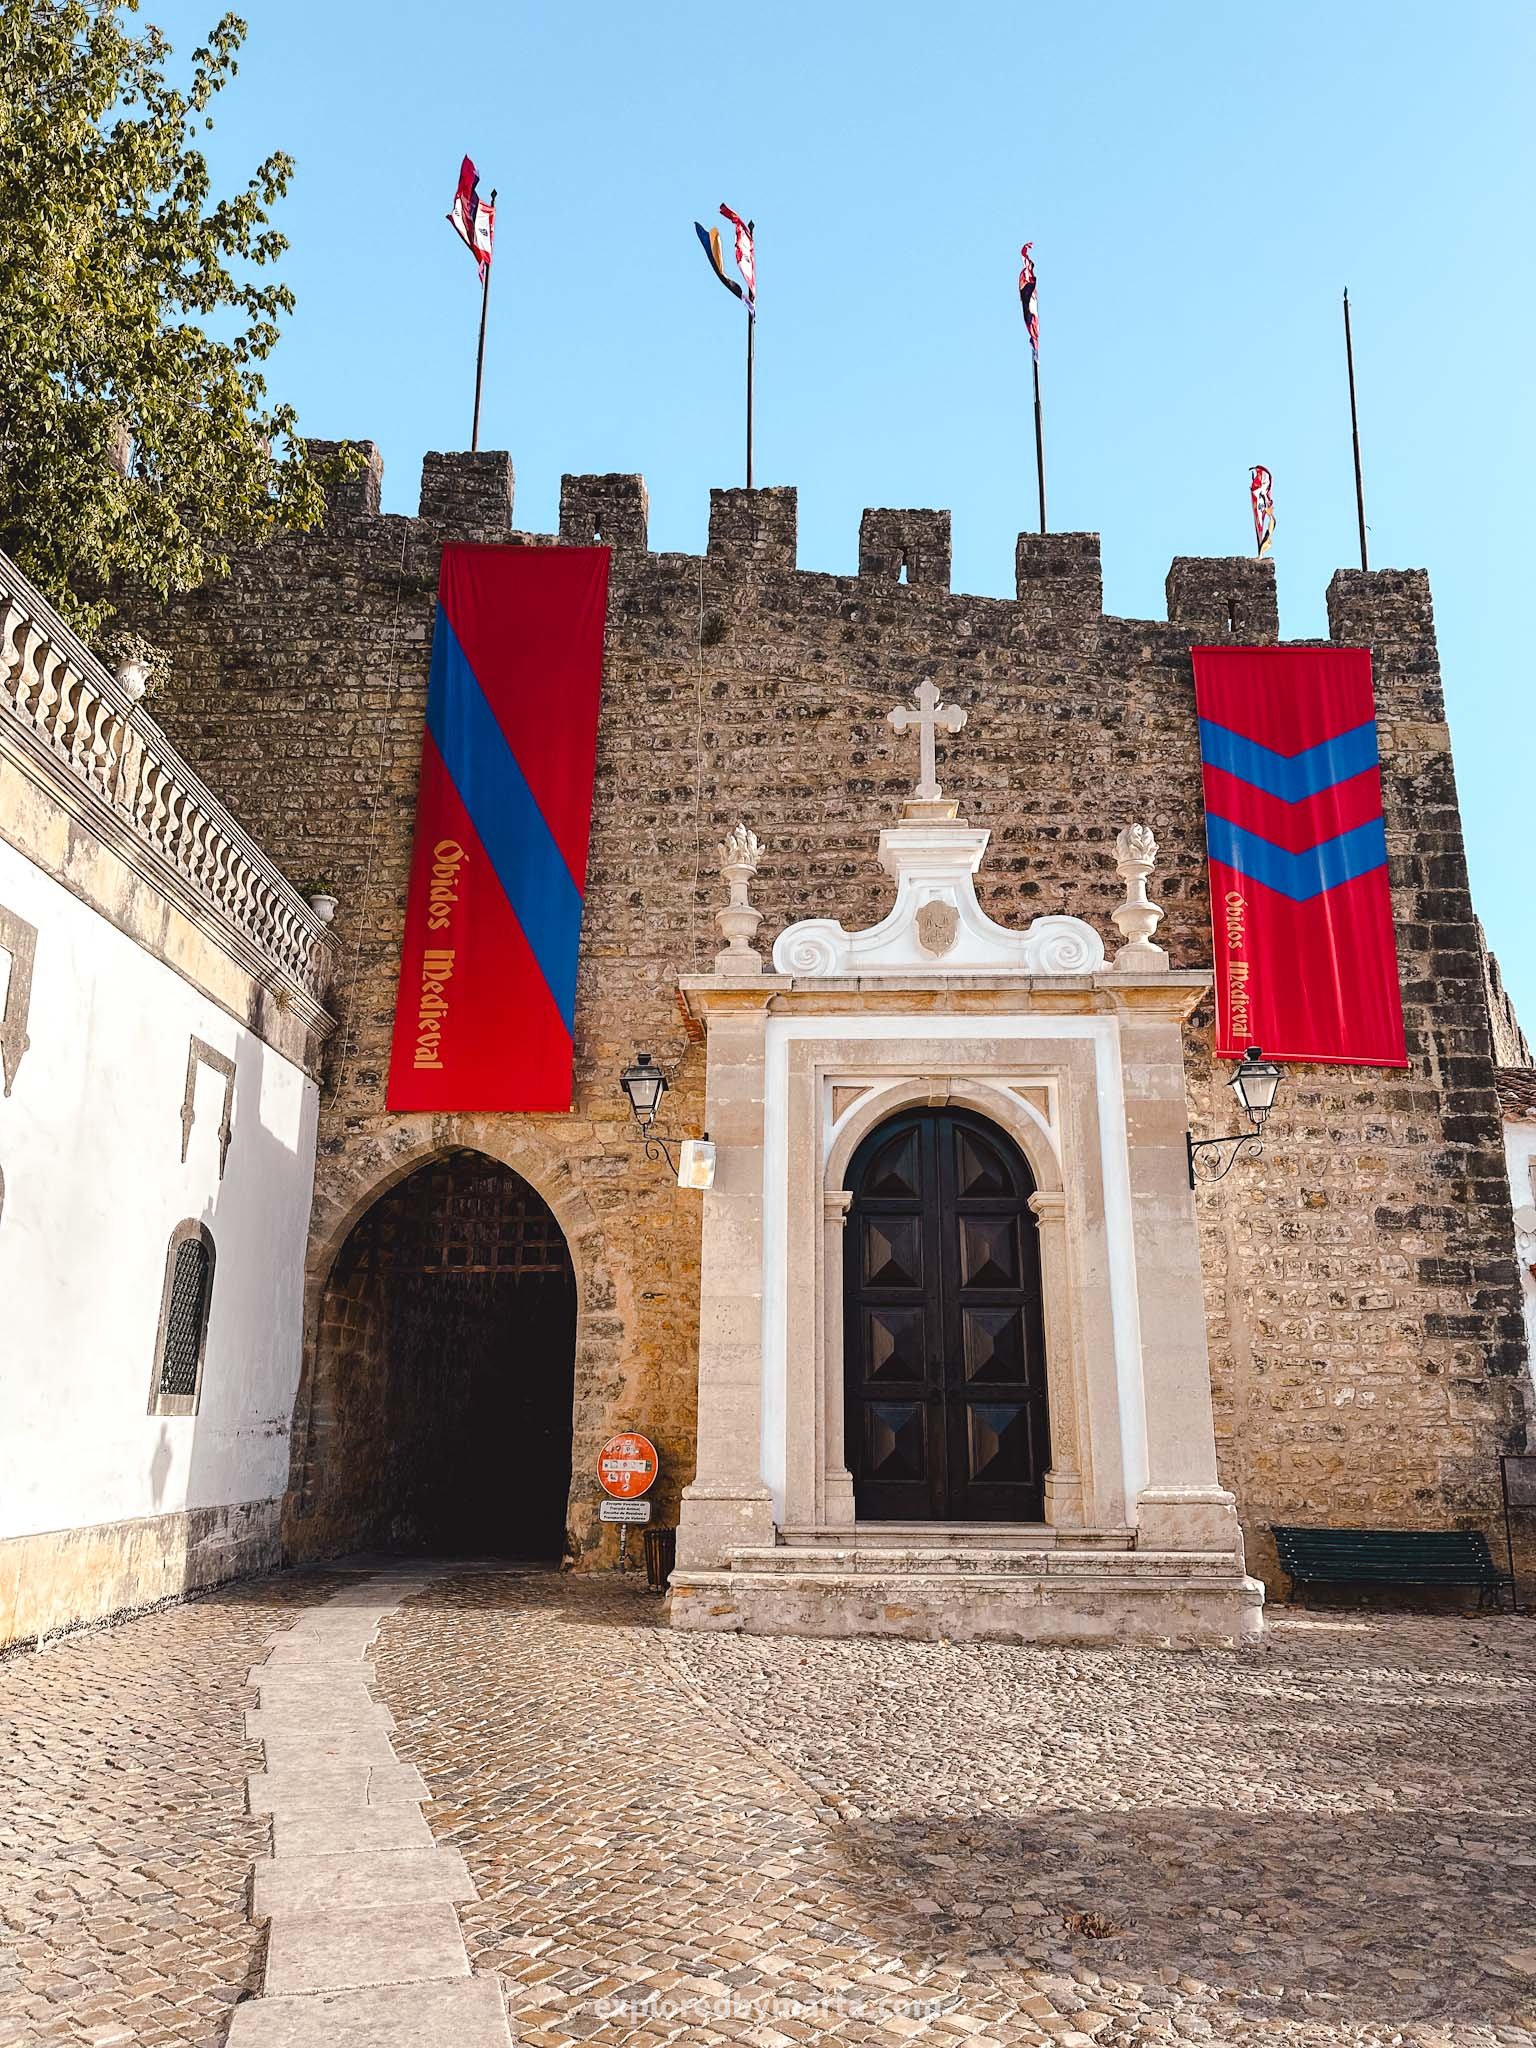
(1364, 1314)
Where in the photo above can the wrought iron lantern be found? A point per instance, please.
(1254, 1084)
(645, 1084)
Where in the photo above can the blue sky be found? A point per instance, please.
(1199, 182)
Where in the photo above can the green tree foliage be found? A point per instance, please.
(137, 443)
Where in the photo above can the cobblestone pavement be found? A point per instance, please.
(125, 1848)
(1326, 1839)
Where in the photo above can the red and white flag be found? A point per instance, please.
(746, 261)
(473, 220)
(1261, 489)
(1029, 298)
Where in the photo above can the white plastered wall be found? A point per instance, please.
(94, 1185)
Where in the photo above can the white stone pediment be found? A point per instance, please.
(936, 926)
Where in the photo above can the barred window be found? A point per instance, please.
(184, 1306)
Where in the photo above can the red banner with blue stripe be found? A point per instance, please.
(1306, 958)
(485, 1014)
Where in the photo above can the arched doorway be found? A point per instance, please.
(445, 1369)
(943, 1333)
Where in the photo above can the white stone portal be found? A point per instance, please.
(1077, 1062)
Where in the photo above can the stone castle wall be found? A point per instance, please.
(1364, 1317)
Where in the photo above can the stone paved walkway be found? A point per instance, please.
(125, 1847)
(364, 1948)
(1327, 1840)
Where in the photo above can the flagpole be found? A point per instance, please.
(485, 307)
(1354, 428)
(1039, 444)
(751, 335)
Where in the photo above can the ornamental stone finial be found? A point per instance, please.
(1137, 918)
(134, 677)
(740, 852)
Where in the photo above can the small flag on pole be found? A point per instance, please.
(746, 291)
(746, 262)
(1029, 300)
(710, 241)
(472, 220)
(746, 258)
(1261, 490)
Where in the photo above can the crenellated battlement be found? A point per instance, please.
(1059, 581)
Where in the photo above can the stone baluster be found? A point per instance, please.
(153, 806)
(43, 698)
(97, 738)
(12, 630)
(70, 713)
(26, 679)
(203, 861)
(128, 775)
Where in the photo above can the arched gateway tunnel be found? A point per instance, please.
(440, 1402)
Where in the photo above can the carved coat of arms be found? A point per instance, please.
(938, 926)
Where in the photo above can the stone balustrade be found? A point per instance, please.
(70, 708)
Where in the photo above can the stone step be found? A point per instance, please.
(924, 1536)
(301, 1750)
(1032, 1536)
(788, 1561)
(333, 1787)
(346, 1951)
(466, 2012)
(392, 1877)
(397, 1825)
(277, 1718)
(314, 1666)
(889, 1564)
(1162, 1597)
(311, 1688)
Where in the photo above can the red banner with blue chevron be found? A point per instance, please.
(1306, 958)
(485, 1014)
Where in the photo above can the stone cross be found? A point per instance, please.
(928, 717)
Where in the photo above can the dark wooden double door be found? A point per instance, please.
(943, 1341)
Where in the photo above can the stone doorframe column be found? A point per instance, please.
(834, 1499)
(1064, 1507)
(1182, 1505)
(727, 1506)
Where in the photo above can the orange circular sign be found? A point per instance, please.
(627, 1466)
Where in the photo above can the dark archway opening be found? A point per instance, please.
(943, 1325)
(446, 1369)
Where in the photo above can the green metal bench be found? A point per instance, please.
(1391, 1557)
